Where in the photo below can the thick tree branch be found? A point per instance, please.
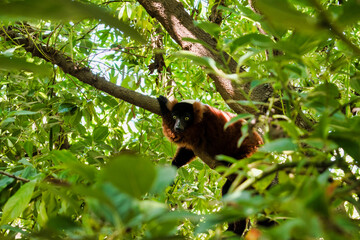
(179, 24)
(82, 73)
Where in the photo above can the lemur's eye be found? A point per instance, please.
(187, 118)
(174, 117)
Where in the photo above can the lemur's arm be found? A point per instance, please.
(182, 157)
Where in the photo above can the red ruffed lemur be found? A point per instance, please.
(198, 130)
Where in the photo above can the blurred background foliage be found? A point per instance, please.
(77, 163)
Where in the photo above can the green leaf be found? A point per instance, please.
(322, 128)
(76, 117)
(238, 118)
(86, 46)
(279, 146)
(42, 215)
(70, 161)
(252, 38)
(131, 174)
(202, 61)
(329, 89)
(299, 43)
(66, 107)
(64, 10)
(355, 83)
(160, 223)
(7, 121)
(350, 13)
(244, 134)
(129, 82)
(324, 95)
(20, 64)
(100, 133)
(153, 209)
(285, 16)
(28, 146)
(164, 177)
(290, 128)
(109, 100)
(350, 142)
(211, 28)
(22, 112)
(197, 164)
(246, 12)
(17, 203)
(5, 181)
(62, 223)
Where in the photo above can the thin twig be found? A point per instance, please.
(273, 169)
(15, 177)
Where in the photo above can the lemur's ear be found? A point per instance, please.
(166, 105)
(198, 111)
(170, 104)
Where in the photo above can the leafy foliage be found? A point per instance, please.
(67, 151)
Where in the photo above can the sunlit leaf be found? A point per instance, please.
(17, 203)
(290, 128)
(70, 161)
(279, 146)
(7, 121)
(211, 28)
(252, 38)
(246, 12)
(100, 133)
(23, 112)
(20, 64)
(198, 60)
(129, 82)
(238, 118)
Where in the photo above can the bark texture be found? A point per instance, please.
(180, 25)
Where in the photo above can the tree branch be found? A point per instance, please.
(82, 73)
(179, 24)
(15, 177)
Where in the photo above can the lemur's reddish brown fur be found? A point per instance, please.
(206, 137)
(207, 134)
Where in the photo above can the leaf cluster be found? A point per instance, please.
(75, 145)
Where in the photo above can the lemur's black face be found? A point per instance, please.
(183, 114)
